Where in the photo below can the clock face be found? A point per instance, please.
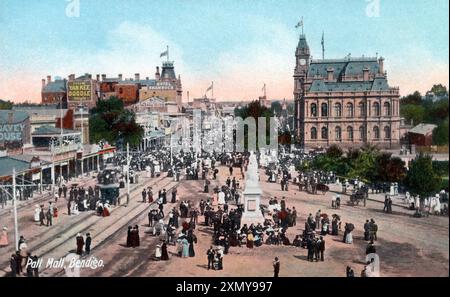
(302, 62)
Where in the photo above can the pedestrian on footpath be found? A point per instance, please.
(276, 267)
(80, 244)
(88, 243)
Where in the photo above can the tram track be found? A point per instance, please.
(80, 222)
(113, 231)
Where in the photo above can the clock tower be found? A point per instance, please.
(302, 56)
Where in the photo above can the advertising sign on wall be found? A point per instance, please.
(79, 91)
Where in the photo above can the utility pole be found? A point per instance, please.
(16, 227)
(82, 140)
(128, 173)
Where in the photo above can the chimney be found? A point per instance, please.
(120, 76)
(72, 77)
(365, 73)
(98, 77)
(136, 77)
(49, 79)
(146, 78)
(43, 82)
(10, 117)
(381, 65)
(157, 75)
(330, 74)
(103, 77)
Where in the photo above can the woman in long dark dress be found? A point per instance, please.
(137, 238)
(129, 235)
(164, 253)
(191, 239)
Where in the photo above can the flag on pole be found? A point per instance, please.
(164, 54)
(299, 24)
(264, 88)
(209, 88)
(323, 41)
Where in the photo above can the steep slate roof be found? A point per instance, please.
(319, 85)
(18, 116)
(56, 86)
(343, 67)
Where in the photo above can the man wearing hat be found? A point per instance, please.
(88, 243)
(276, 267)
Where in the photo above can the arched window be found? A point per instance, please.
(387, 132)
(376, 109)
(376, 132)
(324, 108)
(337, 110)
(387, 109)
(349, 110)
(324, 133)
(350, 133)
(362, 133)
(313, 133)
(361, 109)
(338, 133)
(313, 110)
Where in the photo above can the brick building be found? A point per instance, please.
(344, 101)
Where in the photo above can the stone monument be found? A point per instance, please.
(252, 194)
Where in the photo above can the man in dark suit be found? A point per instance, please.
(321, 245)
(276, 267)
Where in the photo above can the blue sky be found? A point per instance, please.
(240, 45)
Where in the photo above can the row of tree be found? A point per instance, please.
(372, 165)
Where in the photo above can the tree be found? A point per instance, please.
(5, 104)
(111, 122)
(421, 179)
(414, 98)
(440, 133)
(412, 112)
(439, 90)
(334, 152)
(276, 107)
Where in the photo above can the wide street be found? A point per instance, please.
(407, 246)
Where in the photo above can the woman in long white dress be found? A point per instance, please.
(37, 210)
(349, 238)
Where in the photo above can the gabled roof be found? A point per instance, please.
(423, 129)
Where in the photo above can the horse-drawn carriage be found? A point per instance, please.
(358, 195)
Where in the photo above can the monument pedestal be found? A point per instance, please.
(252, 211)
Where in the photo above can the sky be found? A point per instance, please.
(239, 44)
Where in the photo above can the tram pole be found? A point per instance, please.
(128, 173)
(16, 227)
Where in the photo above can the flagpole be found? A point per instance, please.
(212, 89)
(167, 53)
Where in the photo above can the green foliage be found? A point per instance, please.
(440, 133)
(5, 105)
(414, 98)
(334, 151)
(439, 90)
(412, 112)
(255, 110)
(276, 107)
(421, 179)
(111, 122)
(440, 167)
